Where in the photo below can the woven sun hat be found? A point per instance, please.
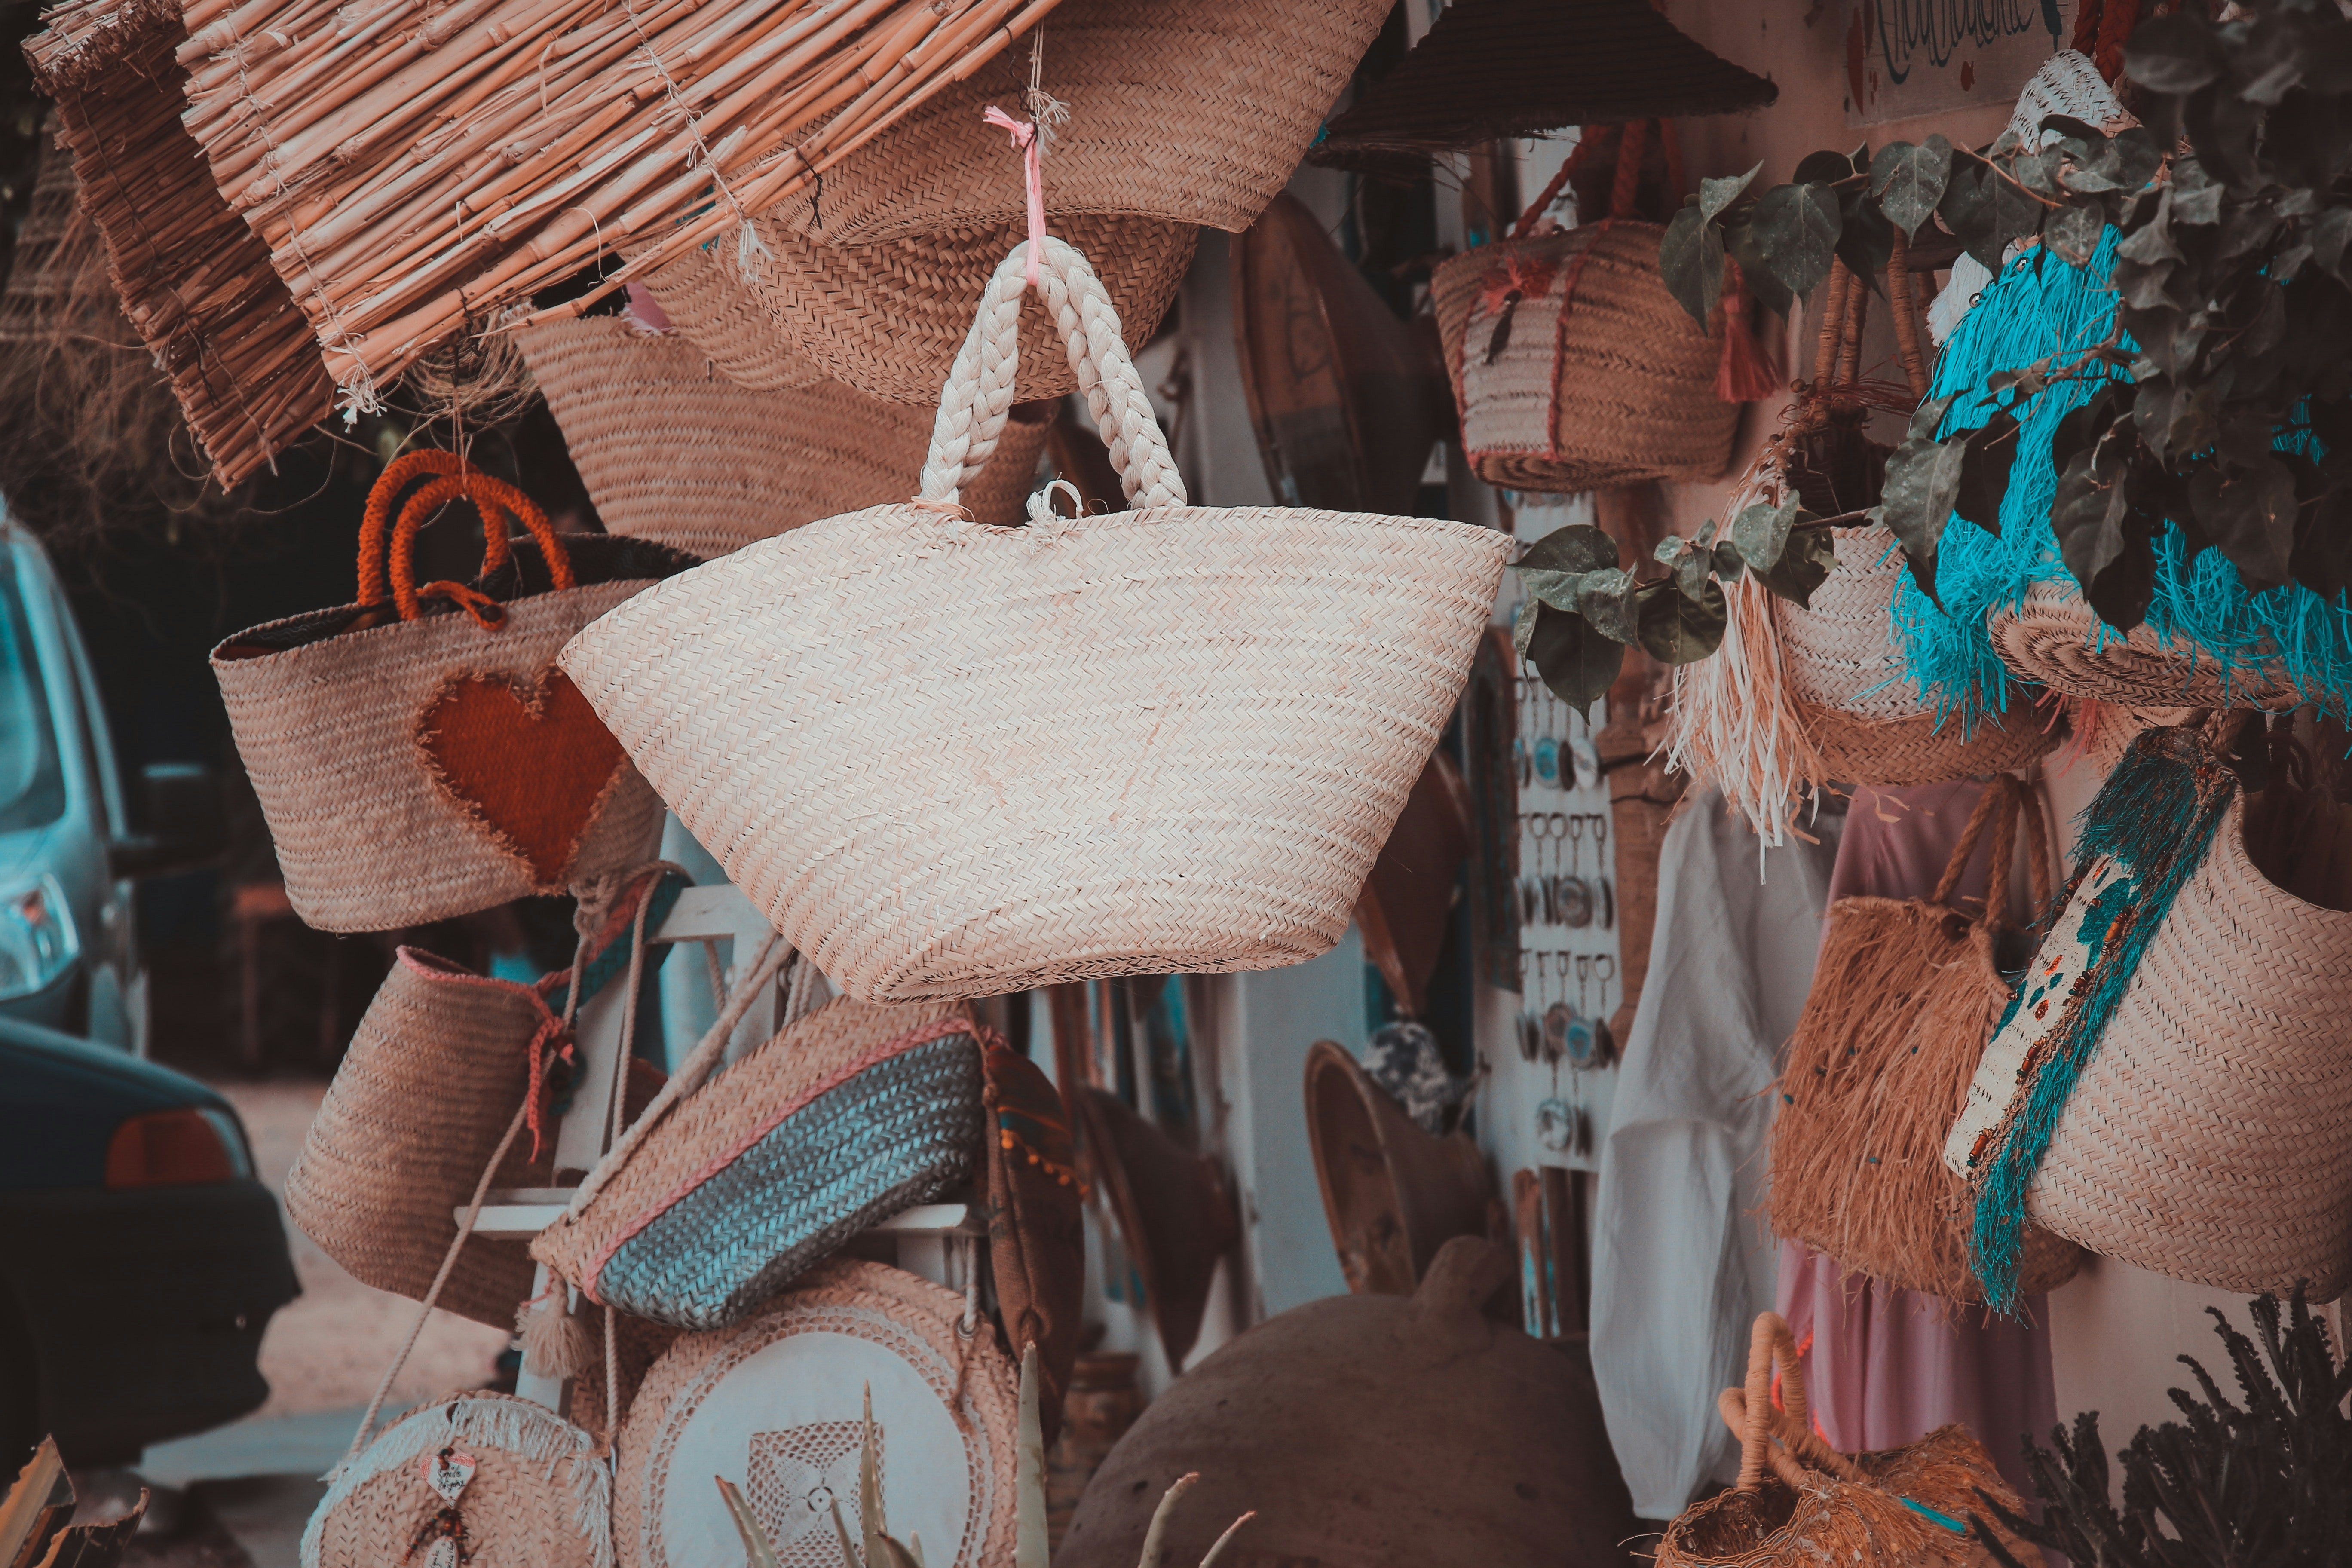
(673, 451)
(1905, 997)
(417, 755)
(775, 1406)
(840, 1121)
(1195, 111)
(470, 1480)
(434, 1074)
(888, 317)
(2053, 635)
(1572, 365)
(2169, 1087)
(949, 761)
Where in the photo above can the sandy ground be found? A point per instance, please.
(326, 1349)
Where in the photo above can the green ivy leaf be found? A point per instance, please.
(1991, 450)
(1909, 181)
(1796, 229)
(1760, 532)
(1606, 599)
(1923, 477)
(1678, 261)
(1676, 627)
(1576, 662)
(1739, 236)
(1713, 196)
(2249, 515)
(1865, 240)
(1803, 567)
(2074, 232)
(1727, 564)
(2175, 54)
(1822, 168)
(1554, 568)
(2105, 544)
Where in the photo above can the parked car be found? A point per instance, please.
(69, 854)
(140, 1259)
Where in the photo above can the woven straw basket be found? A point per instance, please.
(1603, 380)
(674, 452)
(850, 1116)
(948, 760)
(421, 768)
(888, 318)
(1864, 714)
(1193, 111)
(431, 1080)
(2055, 638)
(539, 1496)
(774, 1404)
(1905, 997)
(2209, 1133)
(1800, 1501)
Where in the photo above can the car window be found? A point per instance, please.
(97, 740)
(32, 783)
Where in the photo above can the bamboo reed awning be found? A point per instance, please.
(419, 167)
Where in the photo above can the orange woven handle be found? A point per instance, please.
(499, 504)
(2005, 799)
(1750, 1412)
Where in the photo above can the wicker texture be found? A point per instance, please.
(367, 838)
(845, 1117)
(888, 318)
(195, 282)
(1605, 379)
(539, 1496)
(2209, 1136)
(2055, 638)
(1490, 68)
(736, 1401)
(1863, 714)
(1191, 110)
(1905, 997)
(1166, 740)
(674, 452)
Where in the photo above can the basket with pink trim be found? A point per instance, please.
(841, 1119)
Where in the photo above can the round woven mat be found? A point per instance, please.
(888, 318)
(773, 1404)
(1191, 110)
(672, 450)
(2056, 639)
(539, 1496)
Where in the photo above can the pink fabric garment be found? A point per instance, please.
(1886, 1366)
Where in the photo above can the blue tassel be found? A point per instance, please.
(2042, 308)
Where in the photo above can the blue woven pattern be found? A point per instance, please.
(899, 1133)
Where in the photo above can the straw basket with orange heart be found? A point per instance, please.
(417, 754)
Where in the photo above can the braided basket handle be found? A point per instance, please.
(2005, 799)
(1750, 1412)
(978, 393)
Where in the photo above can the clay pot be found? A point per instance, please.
(1393, 1194)
(1373, 1432)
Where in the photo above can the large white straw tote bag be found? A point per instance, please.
(949, 760)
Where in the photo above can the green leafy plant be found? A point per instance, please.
(1584, 608)
(2266, 1486)
(2234, 325)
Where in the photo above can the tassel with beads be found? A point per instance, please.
(555, 1343)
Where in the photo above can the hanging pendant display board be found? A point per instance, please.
(1909, 57)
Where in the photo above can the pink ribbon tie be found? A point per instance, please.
(1024, 137)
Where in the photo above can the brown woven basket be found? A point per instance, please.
(673, 451)
(415, 769)
(1191, 110)
(1905, 997)
(539, 1496)
(196, 282)
(1603, 379)
(2055, 638)
(2209, 1135)
(774, 1404)
(1863, 715)
(887, 318)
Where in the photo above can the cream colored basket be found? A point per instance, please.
(948, 760)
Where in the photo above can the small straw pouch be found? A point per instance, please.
(947, 759)
(1905, 997)
(734, 1184)
(1572, 364)
(1800, 1502)
(471, 1480)
(2169, 1086)
(417, 755)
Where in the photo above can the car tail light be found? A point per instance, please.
(176, 1148)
